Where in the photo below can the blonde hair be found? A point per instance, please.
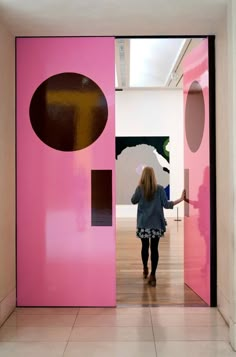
(148, 183)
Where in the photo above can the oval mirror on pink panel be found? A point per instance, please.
(194, 116)
(68, 111)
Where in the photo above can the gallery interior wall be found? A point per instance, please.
(154, 113)
(7, 169)
(224, 177)
(230, 103)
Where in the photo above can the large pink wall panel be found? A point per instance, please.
(65, 172)
(196, 161)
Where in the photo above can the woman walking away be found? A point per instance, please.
(151, 224)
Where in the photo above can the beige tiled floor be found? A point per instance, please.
(139, 332)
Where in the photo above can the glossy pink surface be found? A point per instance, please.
(61, 259)
(197, 224)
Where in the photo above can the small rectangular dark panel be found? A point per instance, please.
(186, 187)
(101, 192)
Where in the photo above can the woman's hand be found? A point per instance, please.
(182, 198)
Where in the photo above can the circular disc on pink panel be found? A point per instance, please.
(68, 111)
(194, 116)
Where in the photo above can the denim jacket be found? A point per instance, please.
(150, 213)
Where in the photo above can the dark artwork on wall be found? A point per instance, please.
(132, 155)
(68, 111)
(101, 197)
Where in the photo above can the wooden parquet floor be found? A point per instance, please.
(132, 289)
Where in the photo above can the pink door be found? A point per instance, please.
(65, 172)
(197, 228)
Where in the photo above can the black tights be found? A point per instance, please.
(154, 252)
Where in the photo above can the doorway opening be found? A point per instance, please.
(150, 131)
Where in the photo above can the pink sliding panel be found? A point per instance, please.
(197, 181)
(65, 172)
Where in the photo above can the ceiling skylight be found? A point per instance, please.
(152, 61)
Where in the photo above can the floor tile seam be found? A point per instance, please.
(44, 316)
(72, 327)
(189, 325)
(65, 348)
(118, 313)
(189, 319)
(153, 334)
(194, 317)
(49, 326)
(114, 340)
(75, 321)
(148, 340)
(76, 325)
(38, 342)
(110, 326)
(152, 322)
(107, 326)
(35, 341)
(120, 316)
(187, 309)
(51, 314)
(119, 339)
(77, 314)
(192, 341)
(184, 313)
(117, 317)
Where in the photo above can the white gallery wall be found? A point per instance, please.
(224, 176)
(154, 113)
(7, 169)
(231, 165)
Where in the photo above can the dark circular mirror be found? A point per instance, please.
(194, 116)
(68, 111)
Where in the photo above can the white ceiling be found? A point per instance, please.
(111, 17)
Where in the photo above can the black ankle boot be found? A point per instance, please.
(152, 280)
(145, 272)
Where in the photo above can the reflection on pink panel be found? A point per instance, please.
(196, 158)
(61, 259)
